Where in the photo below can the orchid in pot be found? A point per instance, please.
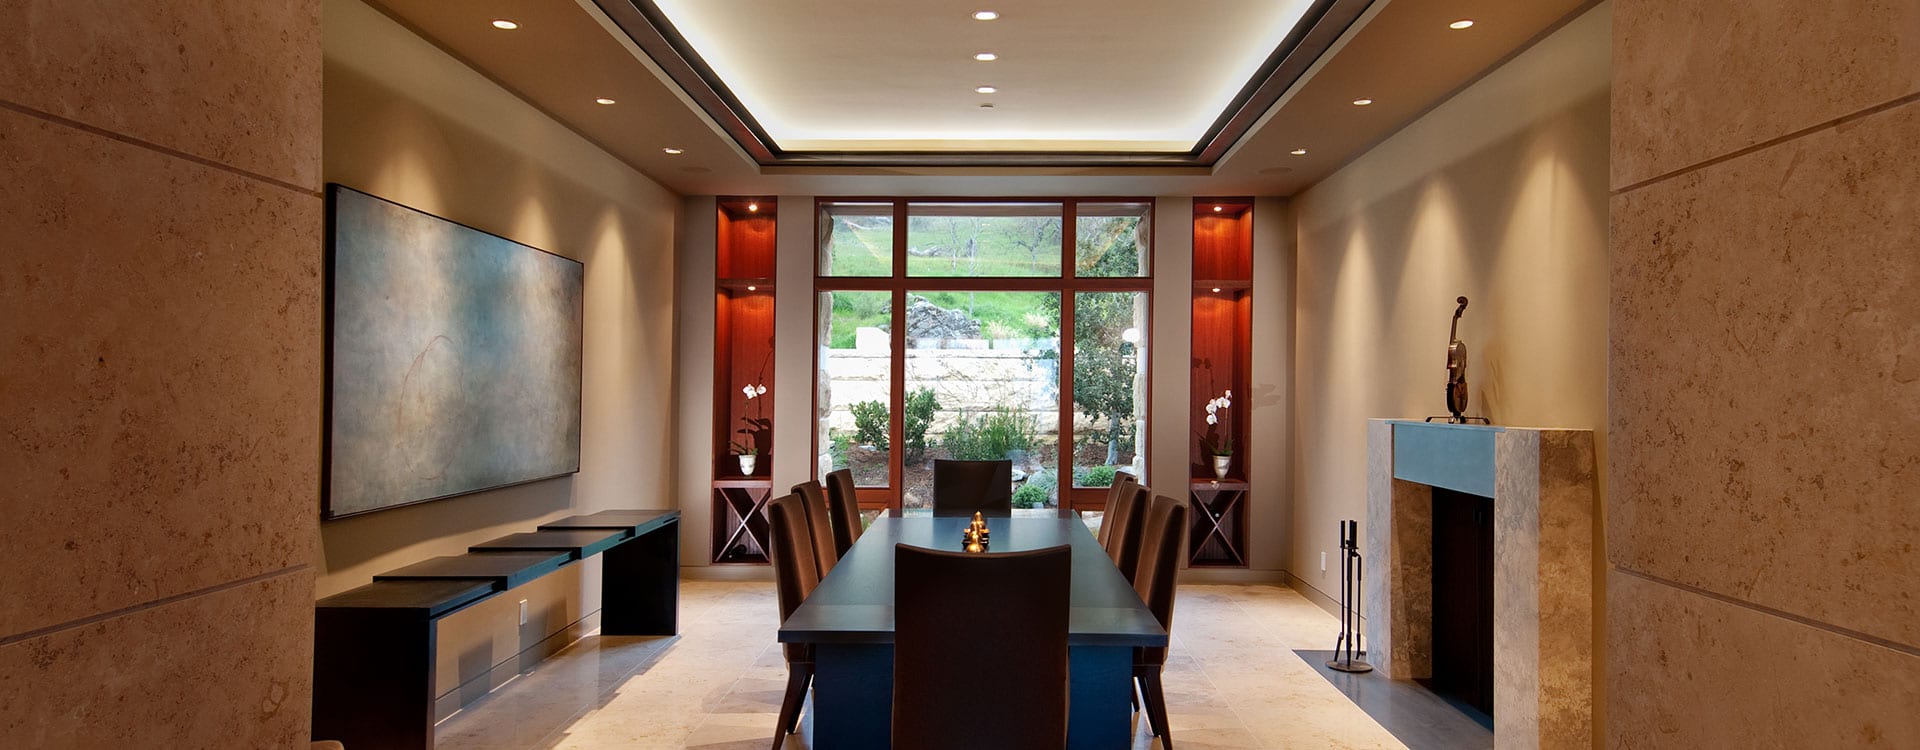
(748, 450)
(1223, 450)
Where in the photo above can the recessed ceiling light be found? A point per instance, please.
(984, 15)
(752, 288)
(986, 105)
(984, 89)
(753, 208)
(1216, 290)
(504, 24)
(1362, 102)
(985, 56)
(1464, 23)
(671, 151)
(603, 100)
(1298, 152)
(1218, 209)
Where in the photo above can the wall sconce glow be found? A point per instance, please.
(671, 151)
(984, 15)
(1298, 152)
(1362, 102)
(985, 56)
(985, 90)
(1464, 23)
(753, 208)
(603, 100)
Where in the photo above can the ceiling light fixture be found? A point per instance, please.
(1298, 152)
(603, 100)
(1464, 23)
(1216, 290)
(985, 56)
(984, 90)
(504, 24)
(671, 151)
(753, 208)
(1218, 209)
(1362, 102)
(752, 288)
(986, 105)
(984, 15)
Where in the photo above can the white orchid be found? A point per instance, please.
(1211, 419)
(754, 391)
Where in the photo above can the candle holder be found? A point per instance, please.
(975, 536)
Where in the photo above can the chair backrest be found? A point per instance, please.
(1123, 529)
(980, 649)
(795, 571)
(818, 526)
(846, 511)
(1122, 485)
(1159, 564)
(962, 488)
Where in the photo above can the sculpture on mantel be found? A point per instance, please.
(1457, 372)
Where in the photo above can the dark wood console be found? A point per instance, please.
(373, 676)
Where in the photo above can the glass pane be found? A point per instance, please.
(856, 239)
(983, 374)
(855, 365)
(1113, 240)
(1109, 386)
(983, 239)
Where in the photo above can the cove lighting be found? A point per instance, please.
(1362, 102)
(1464, 23)
(504, 24)
(985, 56)
(984, 15)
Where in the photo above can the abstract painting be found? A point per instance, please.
(454, 358)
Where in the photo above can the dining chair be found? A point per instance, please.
(980, 649)
(961, 488)
(819, 526)
(846, 510)
(1123, 542)
(1159, 564)
(1122, 485)
(795, 574)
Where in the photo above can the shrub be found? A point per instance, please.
(870, 423)
(1030, 495)
(920, 407)
(1098, 476)
(990, 436)
(839, 447)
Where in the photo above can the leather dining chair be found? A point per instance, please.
(962, 488)
(1123, 527)
(795, 574)
(846, 511)
(980, 649)
(1158, 566)
(819, 526)
(1115, 492)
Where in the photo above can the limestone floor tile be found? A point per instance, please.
(1232, 682)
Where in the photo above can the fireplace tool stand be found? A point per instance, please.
(1352, 573)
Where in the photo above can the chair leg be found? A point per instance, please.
(798, 677)
(1156, 700)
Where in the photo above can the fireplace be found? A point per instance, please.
(1479, 550)
(1463, 599)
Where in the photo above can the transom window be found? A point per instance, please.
(983, 329)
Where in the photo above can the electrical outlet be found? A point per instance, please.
(523, 611)
(1323, 565)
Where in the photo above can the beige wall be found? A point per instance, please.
(1169, 336)
(1498, 194)
(160, 305)
(1765, 375)
(406, 122)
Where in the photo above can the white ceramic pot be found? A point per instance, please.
(747, 463)
(1220, 466)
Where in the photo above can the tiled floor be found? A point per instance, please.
(1233, 681)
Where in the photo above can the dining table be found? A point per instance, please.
(849, 620)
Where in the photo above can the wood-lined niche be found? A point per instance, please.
(743, 358)
(1222, 345)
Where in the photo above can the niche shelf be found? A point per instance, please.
(1222, 344)
(743, 357)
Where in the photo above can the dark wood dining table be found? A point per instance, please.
(849, 621)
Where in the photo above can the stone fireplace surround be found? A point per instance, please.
(1542, 482)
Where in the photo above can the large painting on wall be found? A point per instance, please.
(454, 358)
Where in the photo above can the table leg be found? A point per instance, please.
(852, 696)
(640, 584)
(1101, 713)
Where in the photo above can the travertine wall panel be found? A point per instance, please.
(1697, 80)
(232, 81)
(163, 373)
(1766, 377)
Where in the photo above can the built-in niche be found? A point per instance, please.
(743, 387)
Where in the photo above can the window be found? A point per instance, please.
(983, 329)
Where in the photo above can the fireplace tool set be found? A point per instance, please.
(1351, 574)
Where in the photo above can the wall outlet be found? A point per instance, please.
(1323, 569)
(523, 607)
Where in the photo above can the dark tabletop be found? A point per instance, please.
(855, 603)
(581, 543)
(636, 521)
(505, 569)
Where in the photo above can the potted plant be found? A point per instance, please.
(748, 455)
(748, 450)
(1223, 450)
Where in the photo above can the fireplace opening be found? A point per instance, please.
(1463, 601)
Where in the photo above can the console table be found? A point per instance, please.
(373, 677)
